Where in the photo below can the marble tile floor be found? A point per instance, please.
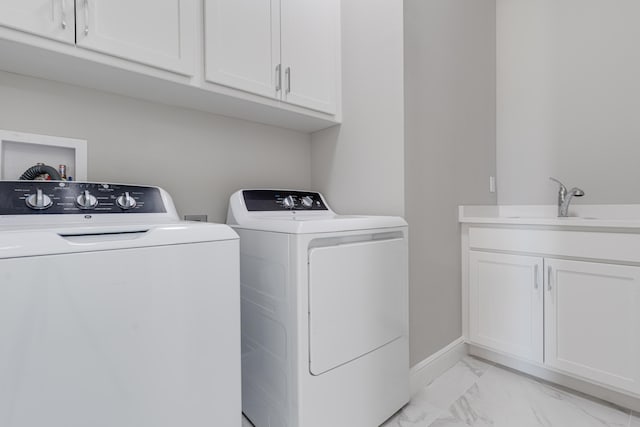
(475, 393)
(479, 394)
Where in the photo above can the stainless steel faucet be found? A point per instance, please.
(564, 197)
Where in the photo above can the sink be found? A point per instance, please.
(566, 218)
(618, 216)
(577, 217)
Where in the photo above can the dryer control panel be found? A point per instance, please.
(283, 200)
(75, 197)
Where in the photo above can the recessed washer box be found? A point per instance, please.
(19, 151)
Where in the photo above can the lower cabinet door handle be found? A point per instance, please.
(549, 278)
(287, 78)
(64, 14)
(86, 17)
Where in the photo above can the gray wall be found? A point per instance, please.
(568, 99)
(449, 152)
(199, 158)
(359, 165)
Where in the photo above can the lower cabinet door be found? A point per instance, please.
(506, 303)
(592, 321)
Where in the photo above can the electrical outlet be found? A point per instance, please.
(198, 218)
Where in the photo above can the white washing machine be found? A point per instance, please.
(324, 312)
(113, 312)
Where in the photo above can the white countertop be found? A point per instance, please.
(607, 216)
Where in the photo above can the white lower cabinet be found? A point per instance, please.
(580, 318)
(506, 303)
(592, 321)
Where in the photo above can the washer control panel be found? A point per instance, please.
(75, 197)
(282, 200)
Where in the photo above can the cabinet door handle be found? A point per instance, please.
(63, 5)
(287, 76)
(549, 279)
(536, 285)
(278, 77)
(86, 17)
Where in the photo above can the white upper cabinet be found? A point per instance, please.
(159, 33)
(311, 53)
(242, 44)
(49, 18)
(219, 56)
(284, 49)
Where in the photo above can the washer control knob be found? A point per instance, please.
(125, 201)
(86, 200)
(289, 202)
(307, 201)
(38, 201)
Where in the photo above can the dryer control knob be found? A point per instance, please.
(289, 202)
(126, 201)
(38, 201)
(307, 201)
(86, 200)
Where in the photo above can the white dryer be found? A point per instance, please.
(113, 312)
(324, 311)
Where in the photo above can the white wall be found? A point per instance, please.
(359, 165)
(199, 158)
(568, 97)
(450, 152)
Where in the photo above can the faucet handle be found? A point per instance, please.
(557, 180)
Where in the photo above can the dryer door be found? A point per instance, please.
(357, 300)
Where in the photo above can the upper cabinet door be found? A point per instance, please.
(159, 33)
(49, 18)
(311, 53)
(242, 44)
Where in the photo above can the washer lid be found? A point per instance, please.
(50, 239)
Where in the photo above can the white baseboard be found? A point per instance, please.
(433, 366)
